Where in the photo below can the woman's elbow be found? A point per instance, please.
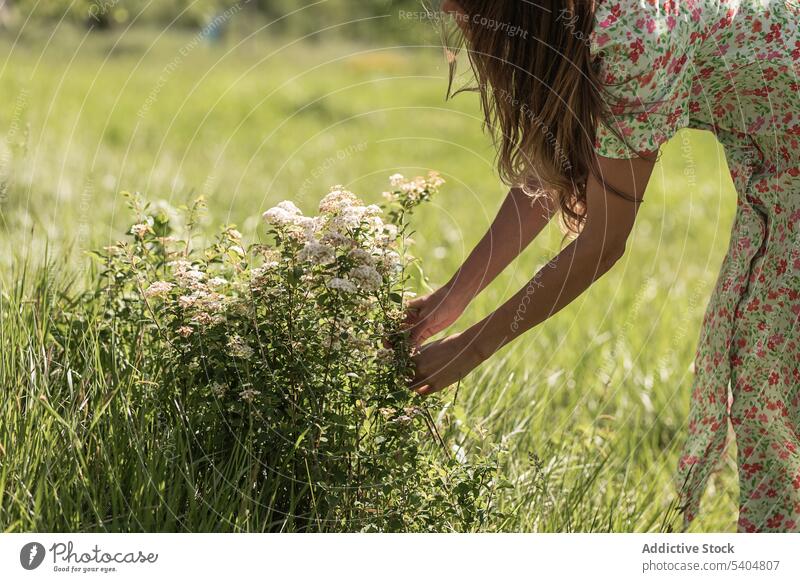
(601, 254)
(611, 254)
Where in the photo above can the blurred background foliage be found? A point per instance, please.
(367, 20)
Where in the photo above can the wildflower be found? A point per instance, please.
(337, 200)
(185, 331)
(186, 273)
(238, 347)
(349, 218)
(158, 288)
(271, 261)
(248, 395)
(413, 411)
(204, 318)
(277, 217)
(212, 302)
(239, 306)
(259, 274)
(311, 225)
(358, 344)
(413, 190)
(238, 250)
(367, 277)
(435, 180)
(190, 278)
(217, 282)
(409, 192)
(336, 238)
(180, 266)
(389, 261)
(218, 389)
(270, 255)
(194, 275)
(387, 412)
(139, 230)
(386, 235)
(284, 214)
(188, 301)
(374, 224)
(344, 285)
(290, 207)
(317, 253)
(361, 256)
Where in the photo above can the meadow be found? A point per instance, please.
(590, 407)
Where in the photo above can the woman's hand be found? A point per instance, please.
(428, 315)
(442, 363)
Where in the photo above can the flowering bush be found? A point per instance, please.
(291, 353)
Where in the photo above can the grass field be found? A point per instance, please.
(591, 405)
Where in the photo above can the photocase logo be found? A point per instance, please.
(32, 555)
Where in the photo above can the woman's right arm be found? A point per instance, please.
(520, 219)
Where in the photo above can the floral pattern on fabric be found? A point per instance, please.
(731, 67)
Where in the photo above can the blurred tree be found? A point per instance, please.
(5, 13)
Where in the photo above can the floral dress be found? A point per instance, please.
(731, 67)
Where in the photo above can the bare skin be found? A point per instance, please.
(610, 219)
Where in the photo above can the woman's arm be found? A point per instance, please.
(609, 221)
(520, 218)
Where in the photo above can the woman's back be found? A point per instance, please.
(724, 65)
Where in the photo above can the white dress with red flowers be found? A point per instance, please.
(731, 67)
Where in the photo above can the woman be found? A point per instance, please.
(579, 98)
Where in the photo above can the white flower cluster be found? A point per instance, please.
(238, 347)
(346, 258)
(139, 230)
(248, 395)
(287, 217)
(187, 274)
(199, 297)
(339, 284)
(367, 277)
(283, 214)
(317, 253)
(337, 200)
(345, 227)
(412, 191)
(158, 289)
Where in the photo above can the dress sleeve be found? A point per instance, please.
(644, 52)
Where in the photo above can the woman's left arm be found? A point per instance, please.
(600, 245)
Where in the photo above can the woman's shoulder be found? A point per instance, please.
(645, 49)
(641, 31)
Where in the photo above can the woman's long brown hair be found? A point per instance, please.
(539, 90)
